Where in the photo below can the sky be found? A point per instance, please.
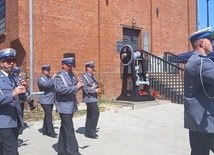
(202, 14)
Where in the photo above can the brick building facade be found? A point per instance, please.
(91, 30)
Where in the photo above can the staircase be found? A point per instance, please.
(166, 77)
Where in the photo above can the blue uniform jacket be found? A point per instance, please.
(10, 108)
(65, 90)
(46, 84)
(89, 94)
(199, 81)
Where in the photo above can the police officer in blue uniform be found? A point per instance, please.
(66, 86)
(10, 110)
(16, 71)
(46, 84)
(19, 76)
(199, 94)
(90, 97)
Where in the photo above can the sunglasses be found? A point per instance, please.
(9, 60)
(70, 65)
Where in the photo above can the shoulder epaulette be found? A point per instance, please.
(202, 56)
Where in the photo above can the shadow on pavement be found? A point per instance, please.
(80, 130)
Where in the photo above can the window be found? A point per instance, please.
(2, 16)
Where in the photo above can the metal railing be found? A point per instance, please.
(165, 77)
(178, 61)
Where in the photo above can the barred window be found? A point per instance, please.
(2, 16)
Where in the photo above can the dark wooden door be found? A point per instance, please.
(130, 36)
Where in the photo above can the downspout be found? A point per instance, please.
(197, 13)
(98, 11)
(151, 27)
(31, 43)
(188, 23)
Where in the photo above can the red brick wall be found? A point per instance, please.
(90, 29)
(171, 28)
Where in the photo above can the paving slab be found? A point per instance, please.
(154, 129)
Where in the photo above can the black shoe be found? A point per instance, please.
(45, 133)
(96, 135)
(66, 153)
(53, 135)
(93, 136)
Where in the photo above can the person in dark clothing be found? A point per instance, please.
(18, 75)
(66, 86)
(46, 84)
(10, 110)
(90, 97)
(199, 94)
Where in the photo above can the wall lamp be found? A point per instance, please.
(133, 23)
(157, 11)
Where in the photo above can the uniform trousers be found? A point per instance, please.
(9, 144)
(201, 143)
(47, 122)
(91, 118)
(67, 142)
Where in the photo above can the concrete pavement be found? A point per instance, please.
(149, 130)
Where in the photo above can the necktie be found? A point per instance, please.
(92, 76)
(11, 79)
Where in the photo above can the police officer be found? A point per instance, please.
(90, 97)
(10, 110)
(46, 84)
(16, 71)
(66, 86)
(199, 94)
(18, 76)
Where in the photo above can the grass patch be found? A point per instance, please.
(80, 113)
(102, 105)
(34, 115)
(38, 113)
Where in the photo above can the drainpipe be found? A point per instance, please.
(188, 23)
(197, 15)
(98, 12)
(31, 43)
(208, 24)
(151, 27)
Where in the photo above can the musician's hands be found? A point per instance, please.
(18, 90)
(79, 79)
(79, 83)
(54, 75)
(98, 90)
(23, 83)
